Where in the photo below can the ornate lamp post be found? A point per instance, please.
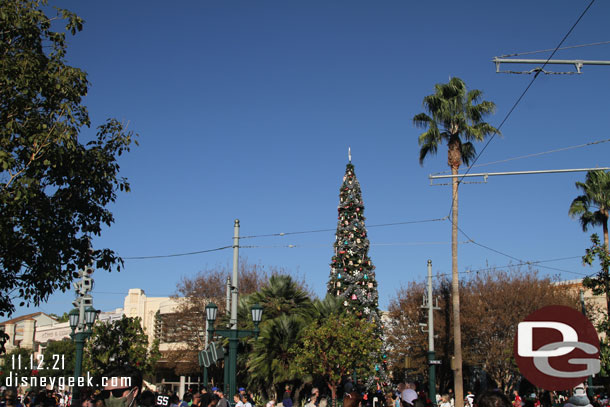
(82, 320)
(233, 335)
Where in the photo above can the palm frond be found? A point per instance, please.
(592, 207)
(451, 112)
(468, 152)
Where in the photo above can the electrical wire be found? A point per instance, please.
(525, 263)
(512, 109)
(335, 229)
(298, 246)
(508, 255)
(551, 49)
(535, 154)
(177, 254)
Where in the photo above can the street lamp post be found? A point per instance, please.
(82, 320)
(233, 335)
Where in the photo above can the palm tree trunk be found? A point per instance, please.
(455, 295)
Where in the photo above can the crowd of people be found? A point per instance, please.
(406, 394)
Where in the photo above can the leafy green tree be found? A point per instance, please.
(287, 310)
(599, 284)
(591, 209)
(119, 343)
(282, 295)
(59, 359)
(454, 115)
(18, 362)
(54, 188)
(270, 363)
(335, 347)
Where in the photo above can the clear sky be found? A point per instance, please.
(246, 109)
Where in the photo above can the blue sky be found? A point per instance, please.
(246, 109)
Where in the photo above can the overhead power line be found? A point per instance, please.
(524, 263)
(335, 229)
(330, 245)
(535, 154)
(512, 109)
(177, 254)
(274, 234)
(508, 255)
(551, 49)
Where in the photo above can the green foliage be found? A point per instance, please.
(53, 188)
(282, 295)
(63, 318)
(600, 284)
(592, 207)
(59, 358)
(119, 343)
(270, 362)
(352, 275)
(335, 347)
(287, 310)
(604, 356)
(454, 113)
(17, 362)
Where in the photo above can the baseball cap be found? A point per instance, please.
(214, 388)
(241, 389)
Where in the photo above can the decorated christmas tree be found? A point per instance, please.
(352, 273)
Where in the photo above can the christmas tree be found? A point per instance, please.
(352, 274)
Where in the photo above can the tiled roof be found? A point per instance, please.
(21, 318)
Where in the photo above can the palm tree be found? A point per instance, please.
(288, 309)
(270, 364)
(282, 295)
(454, 114)
(596, 197)
(593, 207)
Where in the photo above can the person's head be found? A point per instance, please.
(236, 397)
(188, 397)
(242, 390)
(204, 390)
(315, 391)
(493, 398)
(197, 399)
(243, 398)
(220, 393)
(445, 398)
(121, 387)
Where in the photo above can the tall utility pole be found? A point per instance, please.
(457, 336)
(432, 362)
(230, 386)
